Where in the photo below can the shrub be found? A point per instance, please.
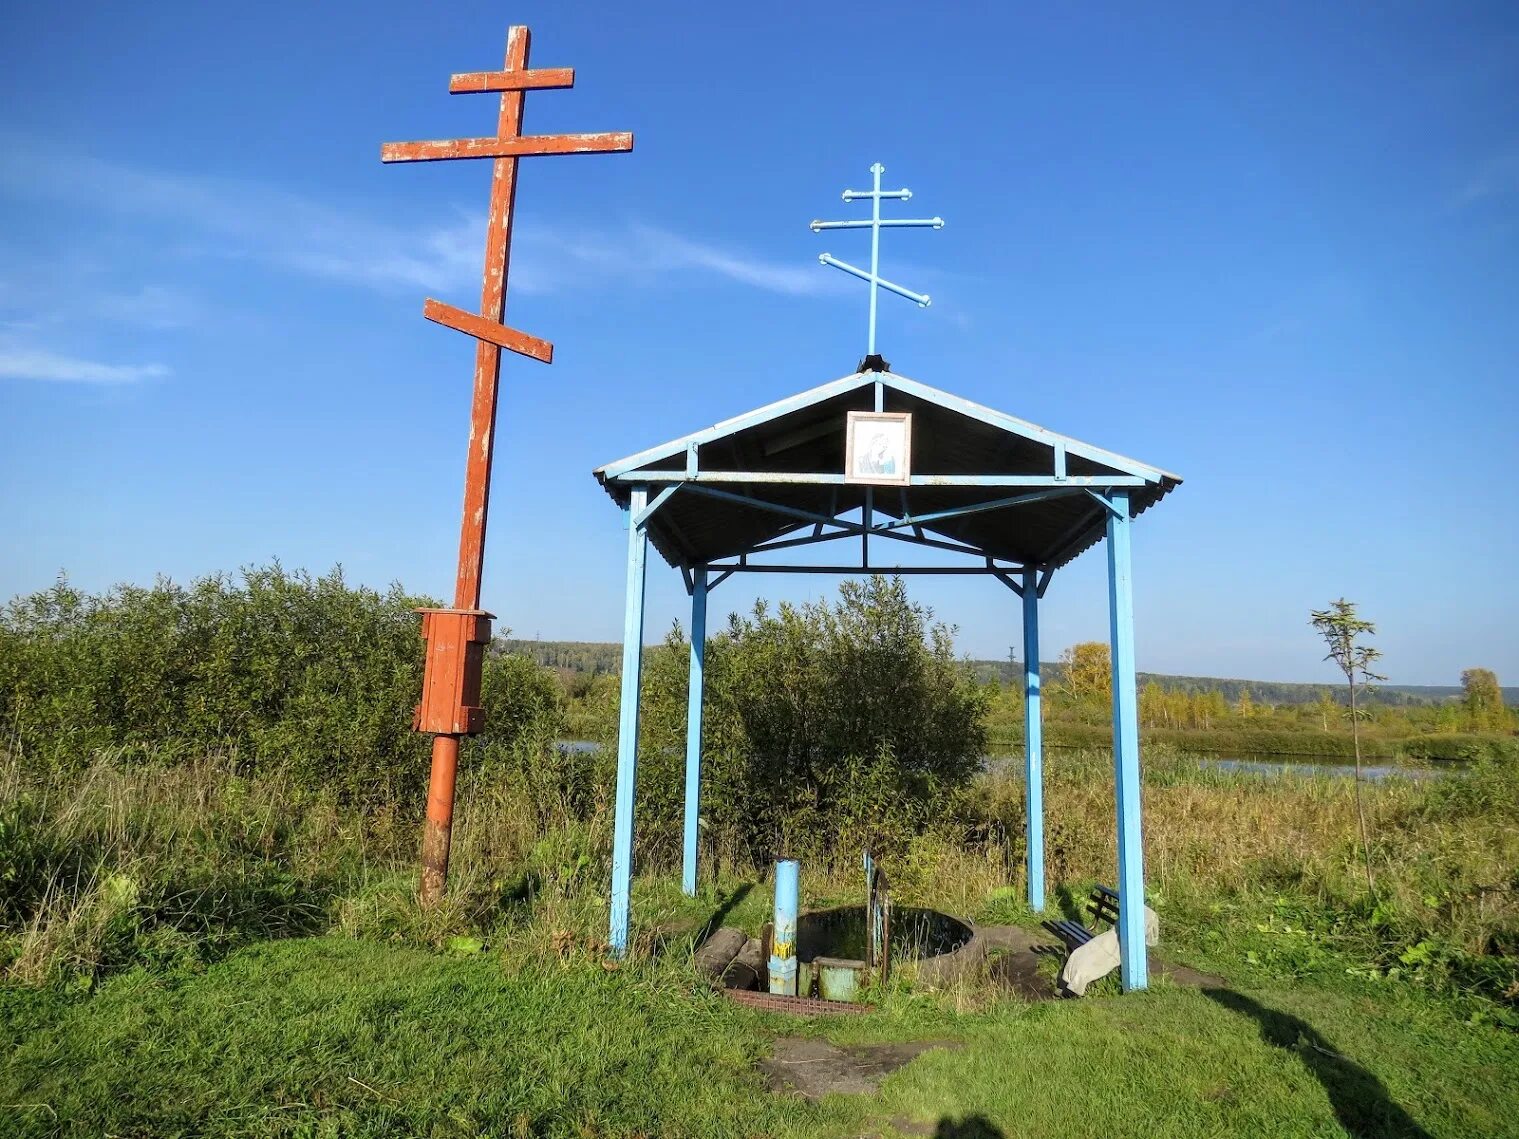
(825, 726)
(1470, 747)
(304, 675)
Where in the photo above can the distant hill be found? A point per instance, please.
(602, 656)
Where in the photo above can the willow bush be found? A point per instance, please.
(827, 727)
(307, 676)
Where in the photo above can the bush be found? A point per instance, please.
(1470, 747)
(825, 726)
(306, 676)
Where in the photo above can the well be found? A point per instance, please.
(929, 945)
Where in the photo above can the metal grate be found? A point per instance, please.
(796, 1006)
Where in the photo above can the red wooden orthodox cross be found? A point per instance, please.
(457, 637)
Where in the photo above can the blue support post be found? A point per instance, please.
(693, 725)
(1033, 742)
(783, 940)
(1131, 873)
(627, 725)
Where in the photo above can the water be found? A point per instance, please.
(1313, 766)
(1299, 766)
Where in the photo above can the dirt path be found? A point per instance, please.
(814, 1068)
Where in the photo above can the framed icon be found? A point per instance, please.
(878, 448)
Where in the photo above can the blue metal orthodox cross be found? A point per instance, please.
(873, 278)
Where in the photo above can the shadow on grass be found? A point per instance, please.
(1069, 903)
(1359, 1099)
(725, 907)
(968, 1127)
(683, 937)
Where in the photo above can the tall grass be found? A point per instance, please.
(1224, 849)
(174, 864)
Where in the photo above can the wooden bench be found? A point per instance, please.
(1103, 905)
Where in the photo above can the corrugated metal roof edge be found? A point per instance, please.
(1099, 525)
(947, 400)
(620, 491)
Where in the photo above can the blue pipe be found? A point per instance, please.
(627, 729)
(783, 940)
(693, 728)
(1131, 871)
(1033, 745)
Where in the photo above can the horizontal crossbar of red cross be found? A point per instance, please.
(434, 150)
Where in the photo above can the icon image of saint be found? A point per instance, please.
(878, 447)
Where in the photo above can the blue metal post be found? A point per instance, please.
(1033, 742)
(876, 171)
(783, 940)
(693, 724)
(627, 725)
(1131, 873)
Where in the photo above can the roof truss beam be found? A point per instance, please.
(1010, 423)
(730, 426)
(822, 478)
(1107, 504)
(728, 568)
(850, 530)
(659, 500)
(916, 520)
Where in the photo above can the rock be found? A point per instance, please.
(718, 950)
(747, 969)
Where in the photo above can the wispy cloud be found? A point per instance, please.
(670, 253)
(551, 259)
(1497, 176)
(208, 216)
(38, 364)
(236, 218)
(148, 306)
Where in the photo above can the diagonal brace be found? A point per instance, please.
(488, 330)
(922, 300)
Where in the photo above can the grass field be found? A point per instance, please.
(190, 951)
(333, 1036)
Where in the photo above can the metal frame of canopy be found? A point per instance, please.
(1016, 499)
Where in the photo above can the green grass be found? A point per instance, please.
(332, 1036)
(159, 977)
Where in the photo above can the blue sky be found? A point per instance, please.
(1274, 249)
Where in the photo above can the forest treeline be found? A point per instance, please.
(595, 658)
(1077, 711)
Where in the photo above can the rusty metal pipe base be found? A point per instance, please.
(437, 834)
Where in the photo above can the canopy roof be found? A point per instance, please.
(983, 482)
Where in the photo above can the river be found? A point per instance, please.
(1294, 766)
(1290, 766)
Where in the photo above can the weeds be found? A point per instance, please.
(174, 865)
